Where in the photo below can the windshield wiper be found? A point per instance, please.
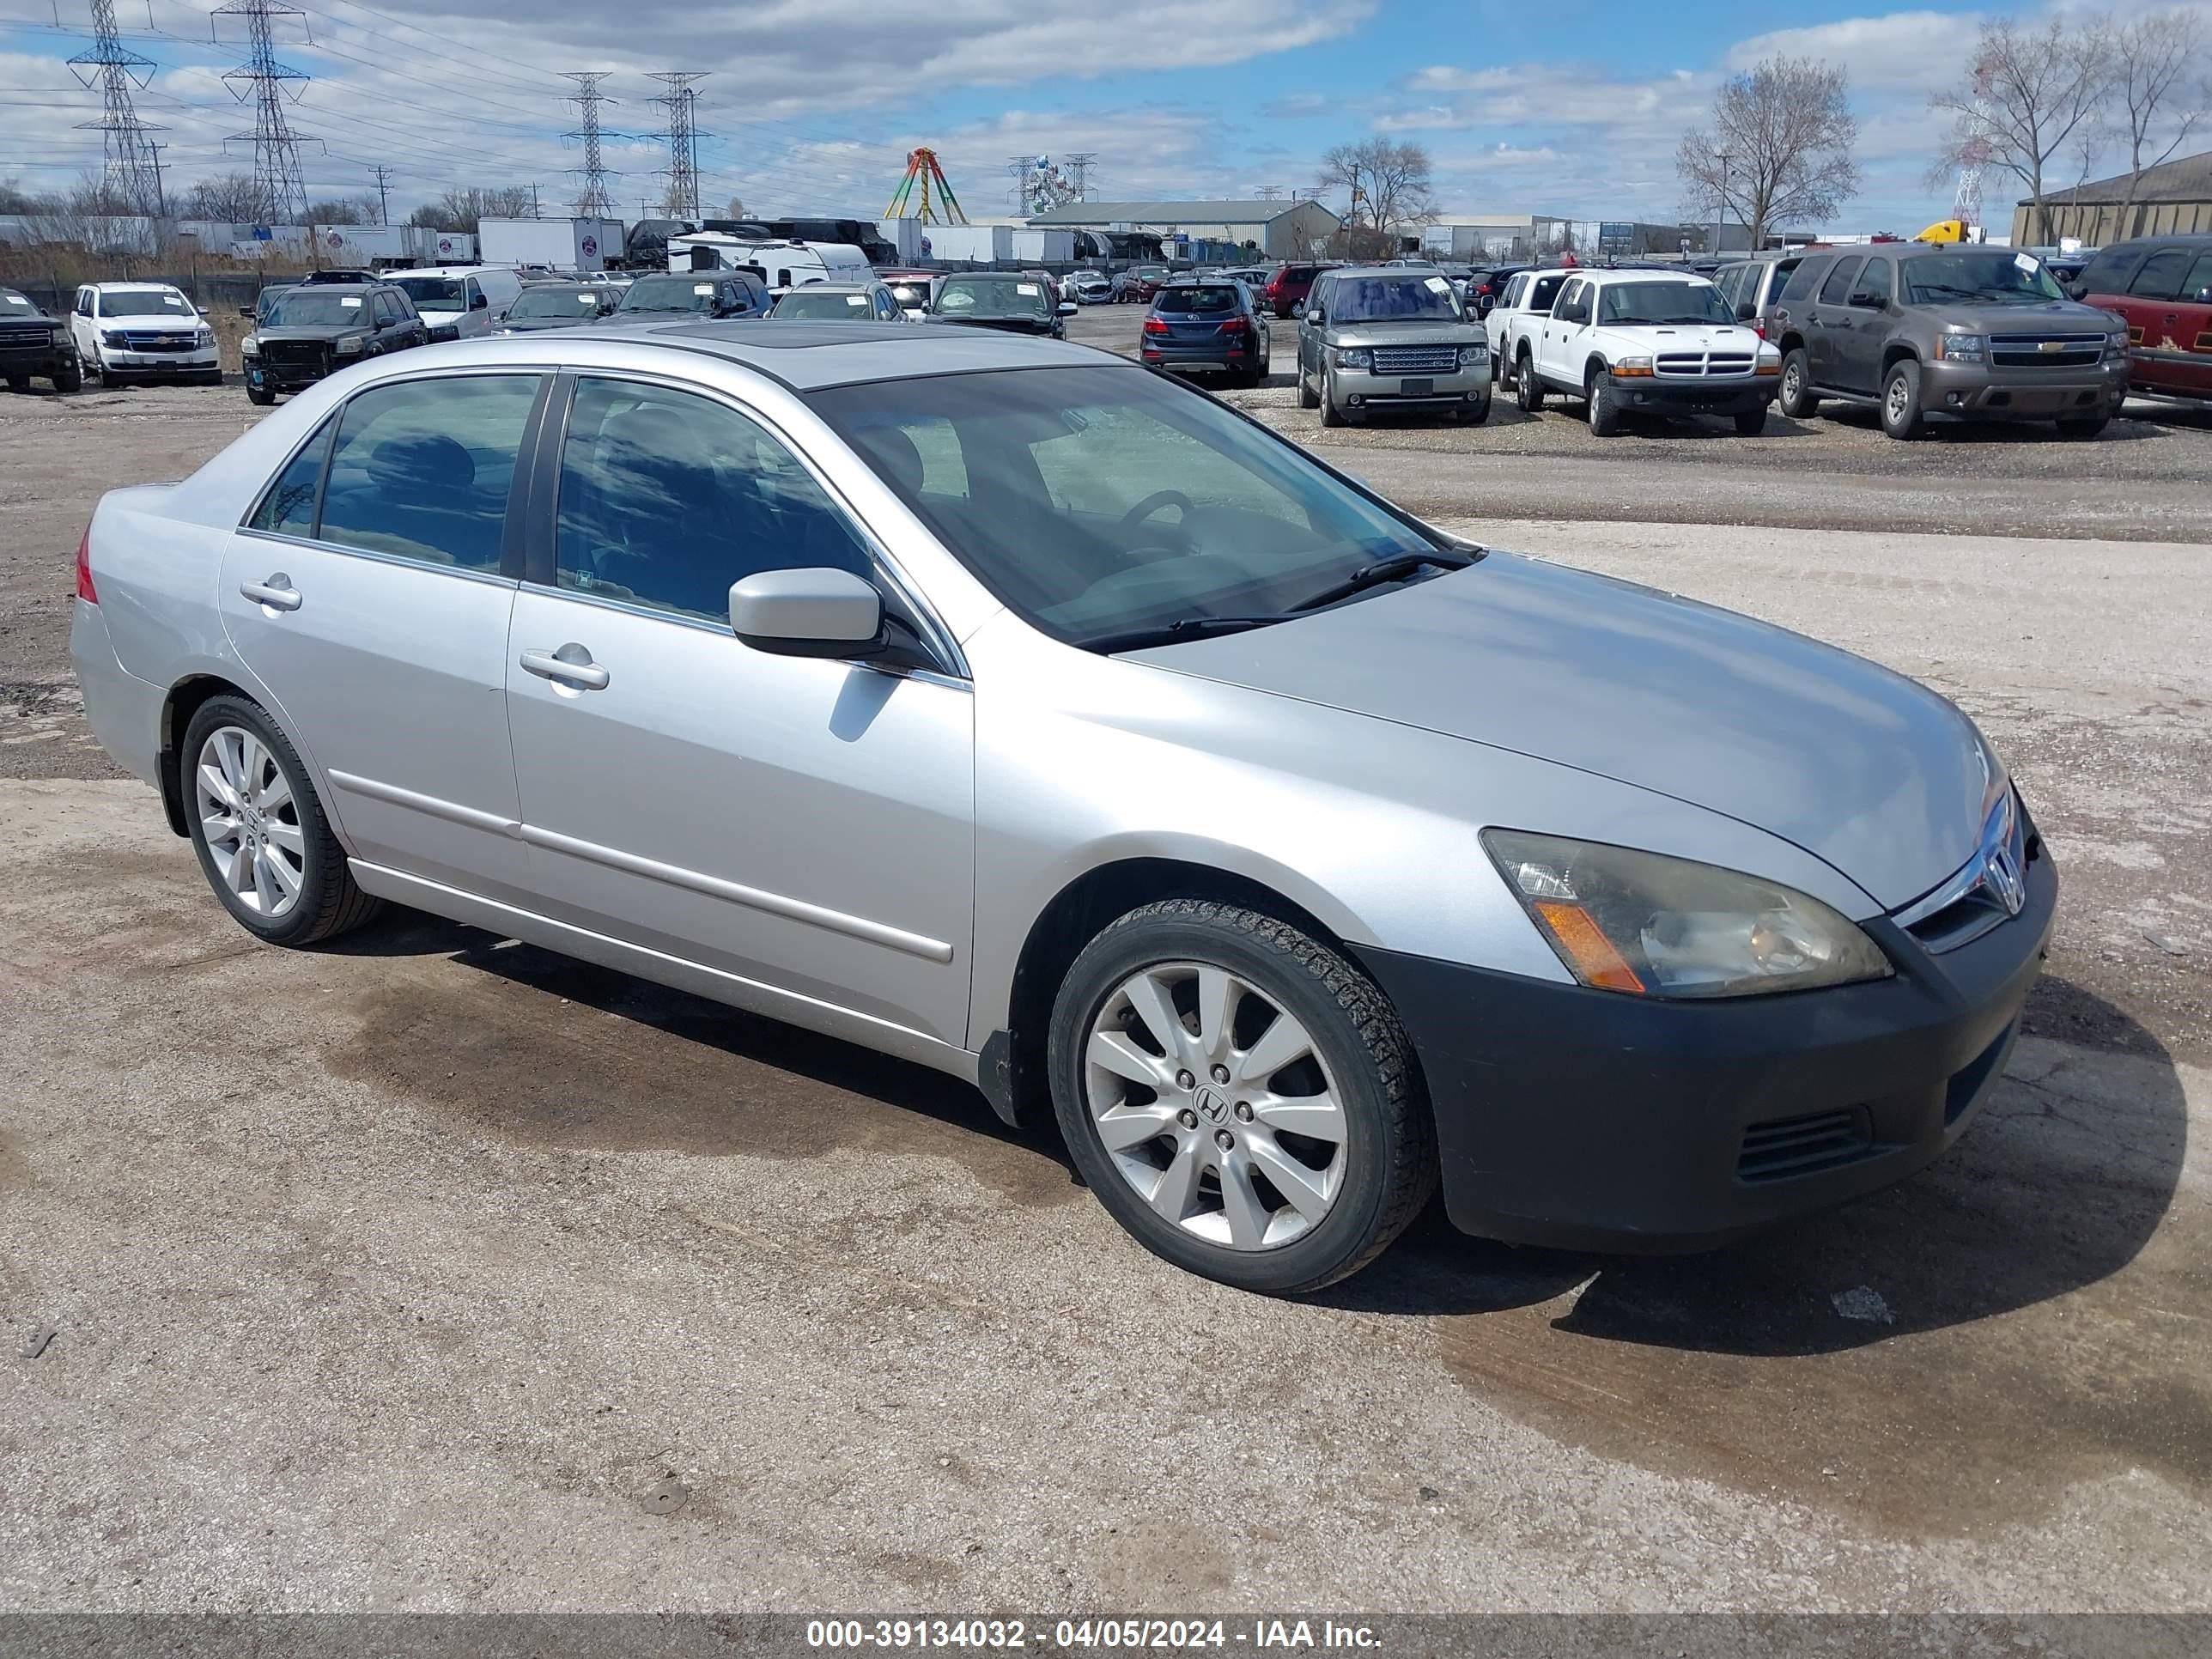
(1186, 628)
(1394, 568)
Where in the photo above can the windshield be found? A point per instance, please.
(1988, 277)
(667, 294)
(1662, 303)
(432, 293)
(14, 304)
(829, 305)
(566, 303)
(308, 307)
(980, 296)
(1392, 300)
(1099, 501)
(146, 305)
(1179, 300)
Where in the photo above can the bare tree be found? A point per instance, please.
(1777, 147)
(1389, 187)
(462, 209)
(340, 212)
(2159, 89)
(736, 208)
(2027, 95)
(15, 199)
(231, 197)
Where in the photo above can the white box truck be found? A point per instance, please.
(1044, 247)
(980, 244)
(363, 246)
(556, 244)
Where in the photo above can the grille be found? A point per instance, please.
(1694, 365)
(146, 340)
(39, 336)
(1800, 1145)
(1416, 360)
(307, 354)
(2046, 351)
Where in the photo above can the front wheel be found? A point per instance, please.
(1475, 414)
(1751, 422)
(1240, 1097)
(1798, 400)
(1604, 405)
(263, 843)
(70, 378)
(2083, 428)
(19, 383)
(1900, 399)
(1308, 397)
(1330, 414)
(260, 394)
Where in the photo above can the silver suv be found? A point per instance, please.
(1378, 339)
(1000, 704)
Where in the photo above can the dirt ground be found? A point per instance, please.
(431, 1271)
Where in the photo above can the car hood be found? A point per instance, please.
(151, 324)
(321, 333)
(2067, 315)
(1443, 331)
(1004, 325)
(1685, 337)
(539, 324)
(1877, 776)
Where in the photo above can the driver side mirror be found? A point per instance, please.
(1068, 307)
(481, 302)
(1745, 311)
(248, 312)
(1471, 311)
(1315, 315)
(817, 612)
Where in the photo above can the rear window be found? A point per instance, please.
(1173, 301)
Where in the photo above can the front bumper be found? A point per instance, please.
(1362, 389)
(1700, 397)
(39, 360)
(1998, 394)
(1589, 1119)
(202, 361)
(289, 377)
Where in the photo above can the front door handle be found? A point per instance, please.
(278, 592)
(571, 664)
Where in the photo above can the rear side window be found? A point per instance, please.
(1546, 291)
(2161, 274)
(1838, 287)
(422, 469)
(286, 507)
(1802, 280)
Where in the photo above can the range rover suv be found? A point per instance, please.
(1380, 339)
(1982, 333)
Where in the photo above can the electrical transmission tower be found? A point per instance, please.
(1078, 167)
(593, 200)
(278, 183)
(132, 171)
(681, 101)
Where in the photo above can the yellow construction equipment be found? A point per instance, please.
(1944, 230)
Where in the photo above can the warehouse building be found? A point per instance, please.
(1279, 230)
(2174, 197)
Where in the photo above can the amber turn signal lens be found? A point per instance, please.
(1586, 946)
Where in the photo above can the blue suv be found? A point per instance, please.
(1207, 323)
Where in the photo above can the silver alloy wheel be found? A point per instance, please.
(1241, 1145)
(250, 821)
(1900, 399)
(1792, 382)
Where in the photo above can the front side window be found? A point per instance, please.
(288, 507)
(2196, 287)
(1097, 501)
(2160, 276)
(1978, 276)
(422, 469)
(1873, 284)
(667, 498)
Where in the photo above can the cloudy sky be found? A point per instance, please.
(1567, 107)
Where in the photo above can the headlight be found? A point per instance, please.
(1770, 361)
(1354, 357)
(204, 338)
(61, 334)
(346, 345)
(1632, 367)
(1474, 356)
(1961, 348)
(1649, 925)
(2116, 345)
(250, 346)
(110, 339)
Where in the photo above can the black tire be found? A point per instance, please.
(19, 383)
(1330, 414)
(2081, 430)
(1527, 390)
(1798, 402)
(1308, 398)
(69, 380)
(1390, 1144)
(260, 394)
(1751, 422)
(329, 903)
(1604, 407)
(1900, 399)
(1475, 414)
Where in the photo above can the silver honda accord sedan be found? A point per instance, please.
(1000, 704)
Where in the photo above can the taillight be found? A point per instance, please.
(1759, 329)
(85, 590)
(1234, 326)
(1155, 325)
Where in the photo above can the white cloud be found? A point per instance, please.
(1911, 52)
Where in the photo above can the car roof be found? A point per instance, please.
(446, 271)
(831, 288)
(1641, 274)
(136, 287)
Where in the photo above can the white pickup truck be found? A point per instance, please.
(1524, 305)
(1658, 342)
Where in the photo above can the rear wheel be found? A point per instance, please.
(1900, 399)
(1527, 390)
(1797, 399)
(263, 840)
(1240, 1097)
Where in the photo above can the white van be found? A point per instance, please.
(141, 330)
(459, 300)
(779, 264)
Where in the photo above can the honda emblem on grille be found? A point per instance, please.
(2001, 875)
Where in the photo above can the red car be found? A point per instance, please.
(1287, 288)
(1140, 284)
(2163, 285)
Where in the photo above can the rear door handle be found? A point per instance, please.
(278, 592)
(571, 664)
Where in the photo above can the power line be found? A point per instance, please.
(593, 201)
(117, 69)
(277, 181)
(682, 101)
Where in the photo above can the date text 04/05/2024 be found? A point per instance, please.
(1109, 1634)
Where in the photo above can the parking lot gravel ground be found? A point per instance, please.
(430, 1270)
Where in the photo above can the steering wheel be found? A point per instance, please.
(1152, 504)
(1149, 552)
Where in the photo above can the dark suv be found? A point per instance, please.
(1201, 324)
(2162, 286)
(32, 343)
(1945, 329)
(321, 326)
